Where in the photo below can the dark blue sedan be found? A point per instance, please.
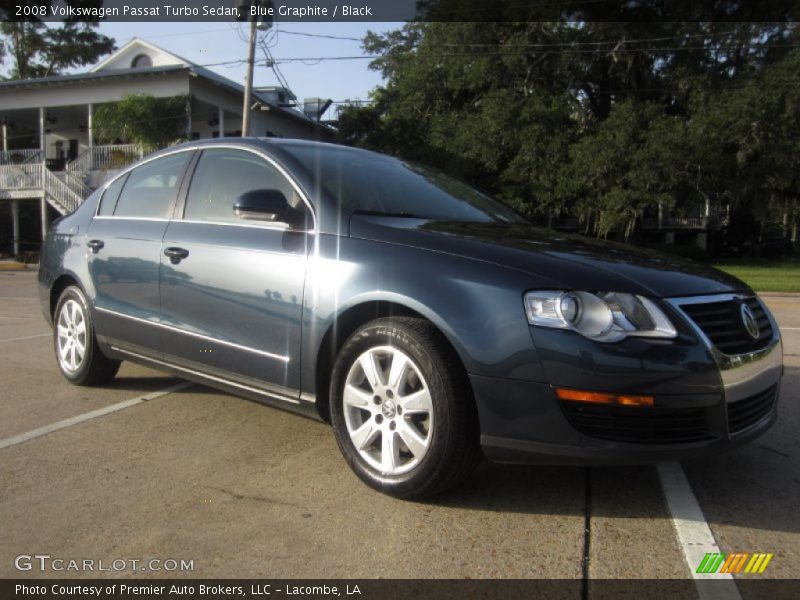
(427, 322)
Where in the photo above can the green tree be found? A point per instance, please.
(142, 119)
(33, 49)
(607, 121)
(450, 103)
(745, 146)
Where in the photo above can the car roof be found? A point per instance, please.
(263, 142)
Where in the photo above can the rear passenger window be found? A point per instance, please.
(222, 175)
(109, 200)
(151, 188)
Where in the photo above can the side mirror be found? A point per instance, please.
(267, 205)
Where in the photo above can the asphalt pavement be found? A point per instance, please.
(241, 490)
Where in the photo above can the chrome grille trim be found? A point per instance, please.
(746, 374)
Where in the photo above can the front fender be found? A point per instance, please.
(476, 305)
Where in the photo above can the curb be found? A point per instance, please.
(16, 267)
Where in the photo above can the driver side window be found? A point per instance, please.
(222, 175)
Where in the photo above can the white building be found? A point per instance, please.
(49, 152)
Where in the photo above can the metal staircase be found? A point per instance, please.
(37, 181)
(58, 194)
(29, 177)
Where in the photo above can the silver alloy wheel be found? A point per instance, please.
(388, 410)
(71, 336)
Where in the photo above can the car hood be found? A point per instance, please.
(553, 259)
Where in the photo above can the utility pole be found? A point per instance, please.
(248, 81)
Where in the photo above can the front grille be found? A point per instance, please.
(655, 425)
(722, 323)
(745, 413)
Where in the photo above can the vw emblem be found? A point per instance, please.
(388, 409)
(749, 321)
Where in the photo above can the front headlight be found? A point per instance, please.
(604, 316)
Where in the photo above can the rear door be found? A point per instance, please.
(124, 241)
(232, 289)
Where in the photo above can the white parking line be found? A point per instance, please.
(24, 437)
(694, 534)
(789, 328)
(26, 337)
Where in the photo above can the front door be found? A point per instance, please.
(232, 289)
(124, 242)
(74, 150)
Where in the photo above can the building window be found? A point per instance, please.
(141, 61)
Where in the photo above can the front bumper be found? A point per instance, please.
(726, 400)
(512, 451)
(526, 425)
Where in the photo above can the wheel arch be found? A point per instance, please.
(58, 286)
(347, 321)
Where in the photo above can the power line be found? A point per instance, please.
(180, 34)
(270, 62)
(318, 59)
(238, 62)
(501, 53)
(786, 83)
(612, 42)
(321, 35)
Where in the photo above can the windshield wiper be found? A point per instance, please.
(382, 213)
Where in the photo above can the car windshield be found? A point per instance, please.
(368, 183)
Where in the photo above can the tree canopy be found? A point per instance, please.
(35, 49)
(142, 119)
(606, 122)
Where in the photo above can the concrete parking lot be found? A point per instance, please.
(248, 491)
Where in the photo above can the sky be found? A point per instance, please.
(206, 43)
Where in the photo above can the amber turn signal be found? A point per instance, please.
(602, 398)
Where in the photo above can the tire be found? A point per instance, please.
(409, 428)
(78, 356)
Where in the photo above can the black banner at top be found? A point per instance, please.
(330, 11)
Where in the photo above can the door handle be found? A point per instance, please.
(95, 245)
(176, 255)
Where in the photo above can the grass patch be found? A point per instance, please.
(765, 276)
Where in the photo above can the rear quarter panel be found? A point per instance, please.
(64, 252)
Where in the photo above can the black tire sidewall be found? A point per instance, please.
(82, 374)
(388, 333)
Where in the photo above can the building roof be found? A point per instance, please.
(65, 79)
(108, 69)
(136, 46)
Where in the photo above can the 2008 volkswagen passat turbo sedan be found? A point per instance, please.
(426, 322)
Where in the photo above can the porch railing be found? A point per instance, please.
(68, 190)
(20, 156)
(76, 185)
(110, 156)
(39, 179)
(81, 165)
(21, 177)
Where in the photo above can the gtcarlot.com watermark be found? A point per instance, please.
(46, 562)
